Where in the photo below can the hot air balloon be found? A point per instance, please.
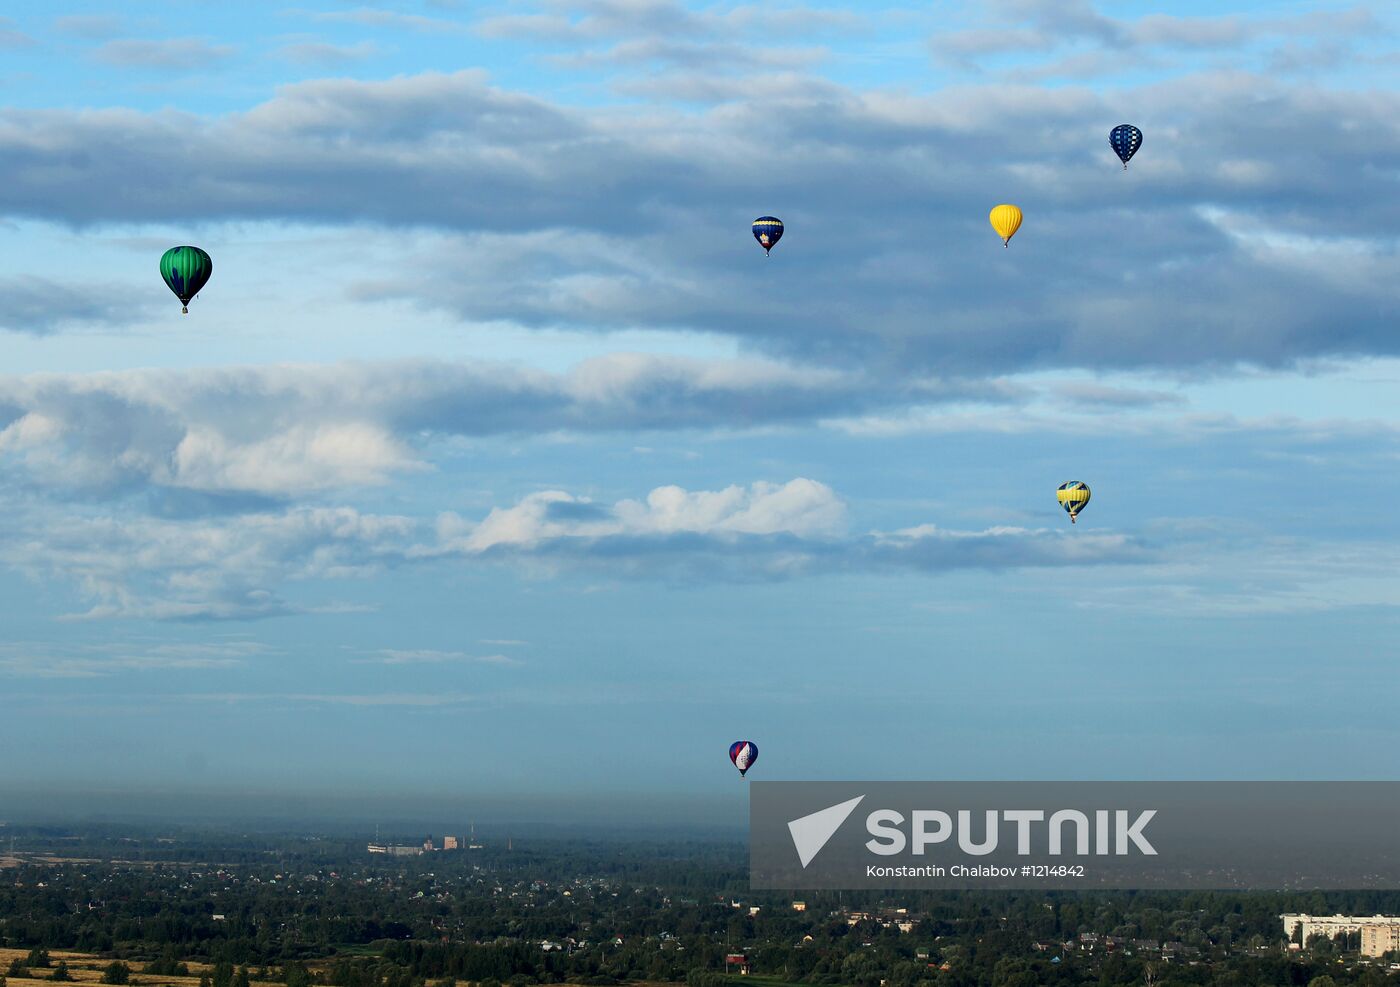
(1006, 220)
(767, 230)
(1125, 139)
(185, 270)
(1073, 496)
(743, 753)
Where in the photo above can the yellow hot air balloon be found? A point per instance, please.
(1006, 220)
(1072, 497)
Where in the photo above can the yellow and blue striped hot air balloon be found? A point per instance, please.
(1073, 496)
(767, 230)
(1006, 220)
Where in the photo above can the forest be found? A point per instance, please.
(236, 909)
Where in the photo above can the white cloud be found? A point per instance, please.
(183, 570)
(1039, 26)
(883, 269)
(800, 507)
(40, 306)
(1243, 571)
(325, 54)
(165, 53)
(298, 458)
(99, 26)
(238, 567)
(50, 661)
(289, 431)
(380, 19)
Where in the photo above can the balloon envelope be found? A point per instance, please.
(767, 230)
(185, 270)
(1006, 220)
(743, 753)
(1073, 496)
(1125, 139)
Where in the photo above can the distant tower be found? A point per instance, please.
(508, 846)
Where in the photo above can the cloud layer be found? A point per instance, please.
(41, 306)
(1256, 226)
(237, 567)
(288, 431)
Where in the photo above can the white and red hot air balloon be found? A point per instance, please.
(743, 753)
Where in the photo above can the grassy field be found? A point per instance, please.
(86, 968)
(757, 980)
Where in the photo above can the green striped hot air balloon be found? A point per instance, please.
(185, 270)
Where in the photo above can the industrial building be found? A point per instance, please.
(395, 851)
(398, 850)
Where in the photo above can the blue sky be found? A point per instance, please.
(496, 461)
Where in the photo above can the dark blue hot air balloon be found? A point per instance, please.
(1125, 140)
(767, 230)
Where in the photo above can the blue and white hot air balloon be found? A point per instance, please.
(1125, 140)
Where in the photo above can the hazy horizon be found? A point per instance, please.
(493, 817)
